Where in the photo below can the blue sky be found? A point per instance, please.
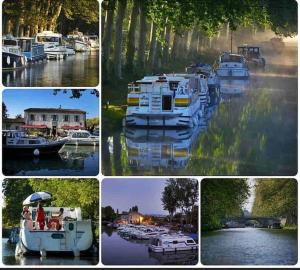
(16, 100)
(124, 193)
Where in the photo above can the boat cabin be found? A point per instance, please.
(11, 45)
(49, 38)
(15, 137)
(32, 50)
(249, 51)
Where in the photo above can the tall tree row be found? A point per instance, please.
(160, 32)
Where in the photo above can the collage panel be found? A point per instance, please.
(149, 221)
(249, 221)
(50, 221)
(50, 132)
(50, 43)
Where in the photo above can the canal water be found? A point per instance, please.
(249, 246)
(119, 251)
(79, 70)
(71, 161)
(250, 130)
(8, 258)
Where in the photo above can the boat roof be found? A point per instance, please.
(49, 33)
(165, 78)
(174, 237)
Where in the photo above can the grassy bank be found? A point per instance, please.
(291, 227)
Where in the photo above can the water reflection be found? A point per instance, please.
(76, 70)
(231, 88)
(72, 160)
(119, 251)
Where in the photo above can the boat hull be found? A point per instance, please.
(82, 143)
(160, 249)
(13, 61)
(28, 150)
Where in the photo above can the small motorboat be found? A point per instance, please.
(252, 55)
(78, 40)
(232, 66)
(12, 56)
(81, 137)
(172, 243)
(93, 41)
(16, 143)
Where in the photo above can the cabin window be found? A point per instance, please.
(175, 242)
(54, 117)
(167, 103)
(44, 118)
(66, 118)
(57, 235)
(32, 117)
(33, 142)
(76, 118)
(71, 226)
(190, 241)
(173, 86)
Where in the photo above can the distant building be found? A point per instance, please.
(130, 218)
(13, 123)
(54, 118)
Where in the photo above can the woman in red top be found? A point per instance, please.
(40, 216)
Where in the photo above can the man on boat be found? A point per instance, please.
(40, 216)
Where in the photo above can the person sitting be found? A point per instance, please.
(40, 217)
(60, 218)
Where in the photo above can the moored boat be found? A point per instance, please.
(232, 66)
(12, 57)
(32, 50)
(74, 237)
(16, 143)
(81, 137)
(174, 100)
(172, 243)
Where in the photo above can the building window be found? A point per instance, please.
(66, 118)
(54, 117)
(76, 118)
(44, 117)
(32, 117)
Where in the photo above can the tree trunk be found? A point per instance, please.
(16, 27)
(194, 42)
(117, 153)
(142, 37)
(106, 162)
(175, 47)
(165, 57)
(119, 38)
(153, 45)
(107, 37)
(55, 15)
(131, 35)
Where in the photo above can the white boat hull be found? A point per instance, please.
(233, 72)
(172, 249)
(75, 237)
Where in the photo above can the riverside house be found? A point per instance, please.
(13, 123)
(130, 218)
(54, 118)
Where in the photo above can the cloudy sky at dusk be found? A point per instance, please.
(124, 193)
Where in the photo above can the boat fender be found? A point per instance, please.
(43, 253)
(76, 252)
(36, 152)
(15, 64)
(8, 60)
(22, 61)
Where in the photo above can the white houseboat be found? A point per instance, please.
(75, 235)
(174, 100)
(12, 56)
(54, 47)
(232, 66)
(16, 143)
(172, 243)
(81, 137)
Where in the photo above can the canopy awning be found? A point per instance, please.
(71, 127)
(37, 197)
(34, 126)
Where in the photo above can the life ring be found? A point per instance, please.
(8, 60)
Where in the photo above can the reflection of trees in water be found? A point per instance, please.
(106, 164)
(249, 136)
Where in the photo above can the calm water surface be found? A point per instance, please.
(250, 130)
(118, 251)
(81, 69)
(72, 160)
(8, 258)
(249, 246)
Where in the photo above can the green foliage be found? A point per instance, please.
(276, 197)
(83, 193)
(221, 198)
(92, 122)
(108, 214)
(4, 111)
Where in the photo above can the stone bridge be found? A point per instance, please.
(264, 222)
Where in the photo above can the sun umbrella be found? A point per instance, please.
(37, 197)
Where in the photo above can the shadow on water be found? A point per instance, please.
(8, 258)
(252, 131)
(77, 70)
(119, 251)
(249, 246)
(72, 160)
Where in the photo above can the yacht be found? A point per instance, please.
(17, 143)
(93, 41)
(232, 66)
(78, 40)
(75, 235)
(174, 100)
(81, 137)
(54, 47)
(32, 50)
(12, 56)
(172, 243)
